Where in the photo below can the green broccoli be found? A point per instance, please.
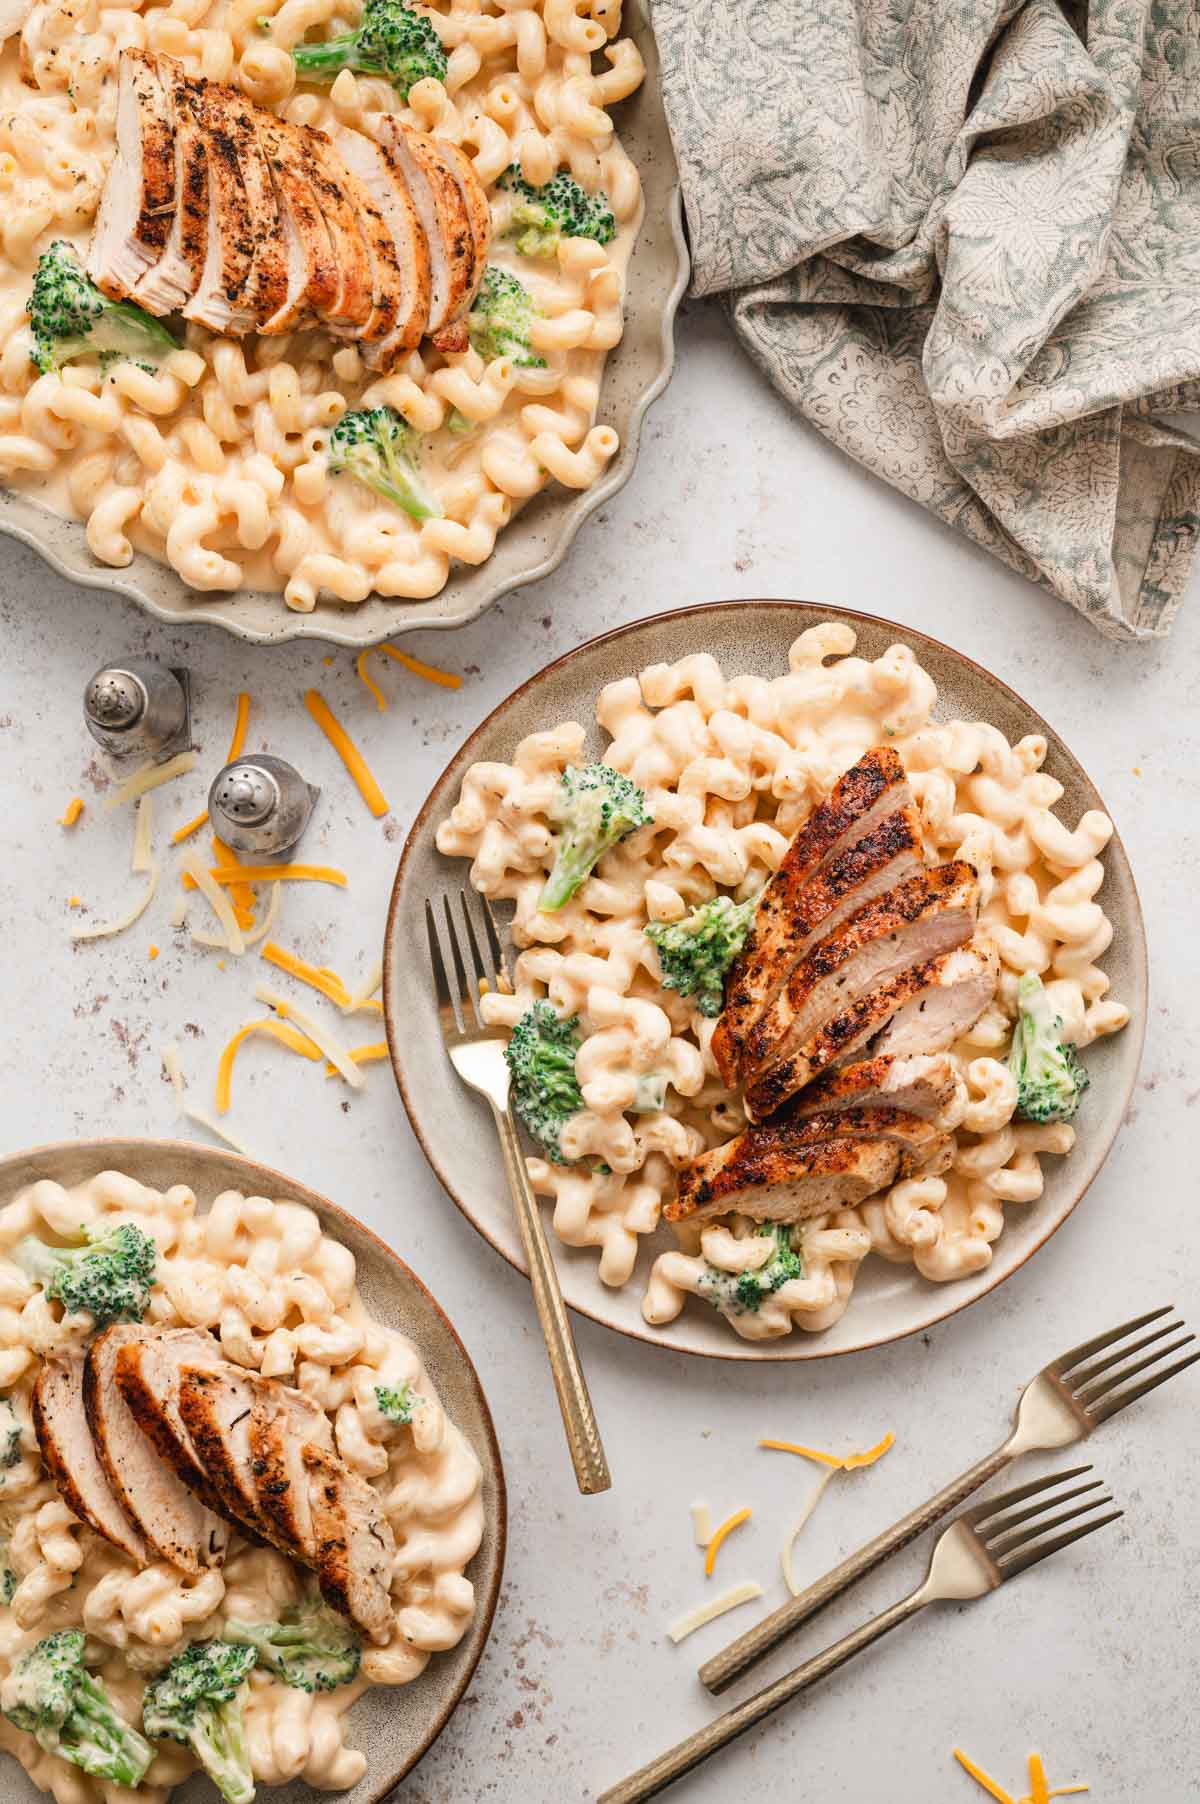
(396, 1405)
(10, 1437)
(695, 953)
(741, 1293)
(72, 318)
(391, 40)
(197, 1700)
(1050, 1079)
(378, 447)
(560, 209)
(109, 1277)
(599, 806)
(51, 1695)
(311, 1647)
(501, 319)
(545, 1091)
(459, 424)
(8, 1578)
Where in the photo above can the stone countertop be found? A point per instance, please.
(1094, 1660)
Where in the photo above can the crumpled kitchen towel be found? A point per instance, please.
(962, 237)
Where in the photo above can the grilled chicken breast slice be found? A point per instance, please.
(770, 1177)
(355, 1544)
(244, 278)
(216, 1404)
(353, 303)
(957, 993)
(170, 282)
(173, 1521)
(312, 278)
(919, 1140)
(387, 281)
(928, 914)
(148, 1375)
(865, 796)
(918, 1084)
(138, 201)
(380, 174)
(70, 1457)
(283, 1423)
(461, 171)
(443, 216)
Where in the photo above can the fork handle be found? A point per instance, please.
(649, 1780)
(579, 1418)
(734, 1660)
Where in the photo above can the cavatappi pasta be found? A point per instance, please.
(281, 1298)
(217, 463)
(731, 768)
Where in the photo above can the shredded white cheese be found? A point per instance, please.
(249, 939)
(170, 1059)
(366, 989)
(179, 911)
(702, 1524)
(334, 1051)
(728, 1600)
(815, 1496)
(143, 862)
(150, 776)
(217, 900)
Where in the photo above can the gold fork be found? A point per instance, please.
(1063, 1404)
(477, 1054)
(985, 1547)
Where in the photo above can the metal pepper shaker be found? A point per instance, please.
(139, 709)
(260, 803)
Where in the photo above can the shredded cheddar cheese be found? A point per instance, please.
(727, 1527)
(143, 863)
(794, 1533)
(206, 883)
(240, 893)
(347, 751)
(276, 1030)
(251, 939)
(1039, 1792)
(702, 1525)
(326, 981)
(150, 776)
(446, 679)
(362, 1055)
(320, 1036)
(368, 681)
(152, 951)
(692, 1620)
(364, 996)
(71, 812)
(272, 873)
(981, 1778)
(825, 1459)
(854, 1462)
(188, 828)
(236, 745)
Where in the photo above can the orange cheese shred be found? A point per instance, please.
(851, 1462)
(188, 828)
(368, 681)
(71, 812)
(446, 679)
(727, 1527)
(240, 894)
(823, 1459)
(362, 1055)
(981, 1778)
(1038, 1790)
(348, 752)
(277, 1030)
(327, 982)
(854, 1461)
(272, 873)
(236, 747)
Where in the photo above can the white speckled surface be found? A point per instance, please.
(1093, 1659)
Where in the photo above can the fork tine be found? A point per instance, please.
(495, 945)
(467, 997)
(1042, 1550)
(1118, 1378)
(1067, 1361)
(1035, 1533)
(996, 1529)
(441, 982)
(1087, 1374)
(482, 979)
(1101, 1411)
(982, 1512)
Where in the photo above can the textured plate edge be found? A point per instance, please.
(321, 626)
(220, 1156)
(777, 1352)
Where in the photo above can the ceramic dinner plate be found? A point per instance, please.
(455, 1127)
(393, 1726)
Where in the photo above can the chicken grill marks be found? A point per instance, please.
(856, 944)
(246, 222)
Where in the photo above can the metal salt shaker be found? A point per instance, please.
(139, 709)
(260, 803)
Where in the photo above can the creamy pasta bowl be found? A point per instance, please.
(852, 681)
(393, 1725)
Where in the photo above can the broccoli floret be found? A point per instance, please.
(1050, 1079)
(501, 318)
(741, 1293)
(51, 1695)
(561, 209)
(8, 1578)
(71, 318)
(197, 1700)
(10, 1437)
(396, 1405)
(695, 953)
(598, 807)
(545, 1091)
(459, 424)
(379, 448)
(110, 1276)
(391, 40)
(311, 1647)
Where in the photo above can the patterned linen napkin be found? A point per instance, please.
(962, 237)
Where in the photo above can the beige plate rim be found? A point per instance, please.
(1087, 1167)
(264, 1180)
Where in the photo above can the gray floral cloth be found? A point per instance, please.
(962, 237)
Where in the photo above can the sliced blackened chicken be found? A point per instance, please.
(138, 203)
(244, 278)
(380, 174)
(958, 989)
(175, 1523)
(217, 1403)
(353, 303)
(387, 278)
(355, 1544)
(918, 1084)
(769, 1176)
(313, 283)
(148, 1371)
(284, 1422)
(928, 914)
(919, 1140)
(443, 216)
(70, 1457)
(170, 282)
(861, 800)
(461, 171)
